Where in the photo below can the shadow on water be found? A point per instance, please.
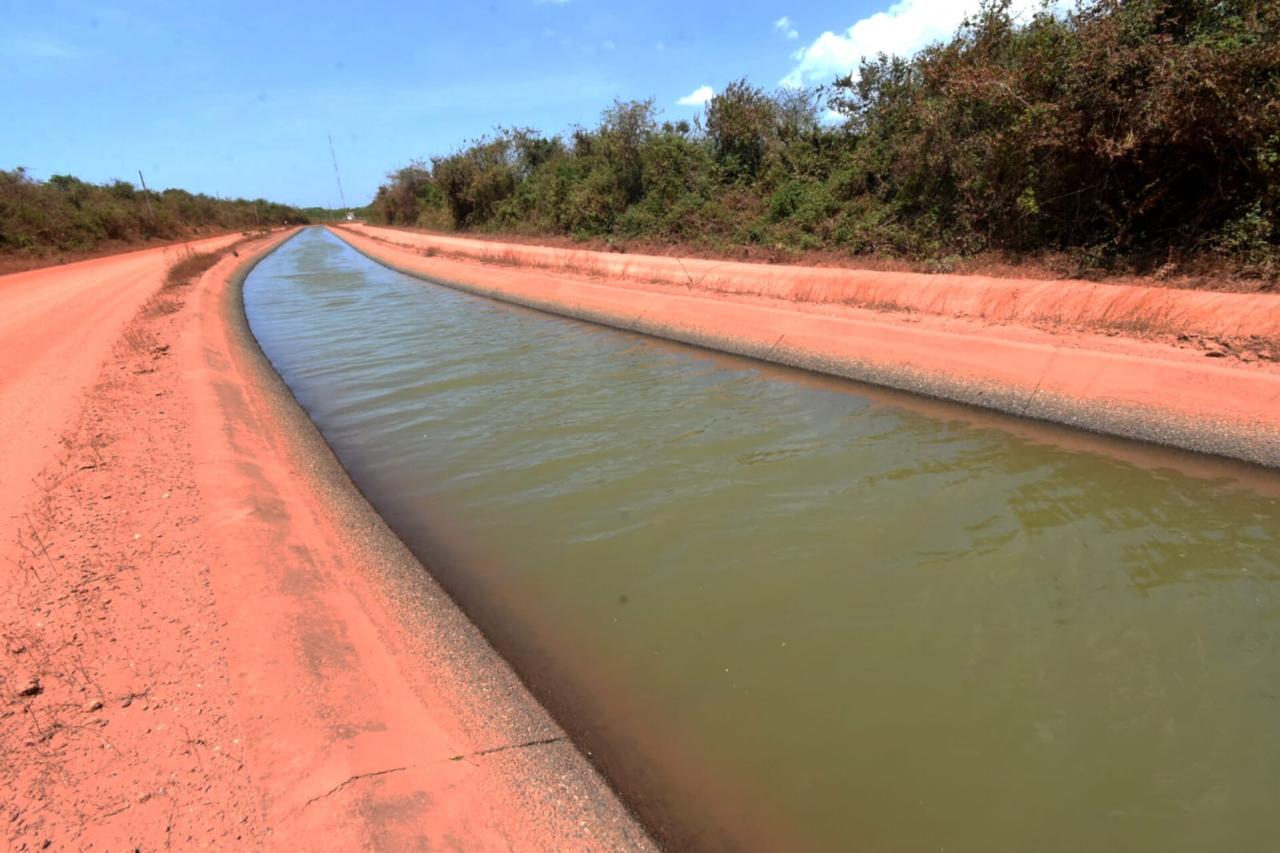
(786, 610)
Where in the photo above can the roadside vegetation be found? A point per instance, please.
(39, 219)
(1126, 136)
(334, 214)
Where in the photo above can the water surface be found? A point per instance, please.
(784, 611)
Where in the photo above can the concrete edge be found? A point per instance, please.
(1254, 444)
(492, 698)
(1048, 303)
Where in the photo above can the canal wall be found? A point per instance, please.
(1016, 347)
(1076, 305)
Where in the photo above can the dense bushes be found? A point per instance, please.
(1128, 133)
(67, 214)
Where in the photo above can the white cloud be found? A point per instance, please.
(37, 46)
(903, 29)
(783, 25)
(697, 97)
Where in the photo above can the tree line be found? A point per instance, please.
(65, 214)
(1124, 134)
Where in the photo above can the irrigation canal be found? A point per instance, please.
(786, 611)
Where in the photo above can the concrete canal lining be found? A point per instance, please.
(1127, 388)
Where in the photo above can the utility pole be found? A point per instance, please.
(146, 195)
(336, 174)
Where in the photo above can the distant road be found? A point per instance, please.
(57, 325)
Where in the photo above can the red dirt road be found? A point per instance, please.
(209, 638)
(56, 327)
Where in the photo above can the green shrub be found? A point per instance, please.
(67, 214)
(1124, 133)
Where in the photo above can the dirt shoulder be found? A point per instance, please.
(15, 263)
(211, 639)
(57, 327)
(1114, 360)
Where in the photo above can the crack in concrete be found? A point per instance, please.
(1034, 391)
(775, 346)
(491, 750)
(336, 788)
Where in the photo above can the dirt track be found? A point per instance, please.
(209, 638)
(56, 327)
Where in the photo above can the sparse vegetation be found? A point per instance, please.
(66, 214)
(1125, 136)
(137, 339)
(333, 214)
(159, 305)
(190, 266)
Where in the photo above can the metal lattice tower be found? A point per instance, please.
(336, 173)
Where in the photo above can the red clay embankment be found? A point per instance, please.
(1067, 305)
(1106, 358)
(209, 637)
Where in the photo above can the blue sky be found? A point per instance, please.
(237, 98)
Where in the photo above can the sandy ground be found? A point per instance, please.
(57, 326)
(209, 639)
(1074, 353)
(11, 264)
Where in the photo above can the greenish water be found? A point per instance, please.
(787, 612)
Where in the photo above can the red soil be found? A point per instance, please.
(1203, 274)
(1053, 350)
(1246, 325)
(16, 263)
(57, 325)
(203, 641)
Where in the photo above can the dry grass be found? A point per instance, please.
(189, 267)
(182, 272)
(159, 305)
(139, 340)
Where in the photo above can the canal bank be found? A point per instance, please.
(211, 640)
(413, 730)
(1077, 360)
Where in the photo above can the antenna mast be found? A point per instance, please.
(336, 173)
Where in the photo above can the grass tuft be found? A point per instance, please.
(189, 267)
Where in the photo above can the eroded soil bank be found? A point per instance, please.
(1186, 369)
(210, 639)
